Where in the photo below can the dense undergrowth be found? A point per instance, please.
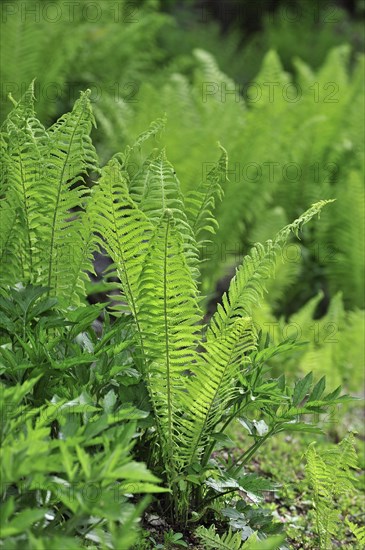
(164, 416)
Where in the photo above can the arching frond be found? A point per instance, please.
(233, 540)
(330, 475)
(247, 286)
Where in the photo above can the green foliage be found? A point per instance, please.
(111, 43)
(296, 29)
(47, 238)
(330, 475)
(162, 383)
(192, 378)
(359, 532)
(295, 142)
(331, 344)
(67, 470)
(233, 541)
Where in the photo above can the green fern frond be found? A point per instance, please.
(211, 539)
(23, 143)
(158, 189)
(68, 159)
(233, 541)
(162, 190)
(22, 110)
(247, 286)
(45, 196)
(319, 477)
(24, 158)
(213, 386)
(357, 531)
(200, 204)
(155, 128)
(271, 71)
(330, 475)
(210, 73)
(169, 313)
(344, 460)
(12, 235)
(124, 229)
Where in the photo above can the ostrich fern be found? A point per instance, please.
(330, 475)
(48, 230)
(192, 370)
(291, 141)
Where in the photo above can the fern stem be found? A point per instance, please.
(214, 497)
(26, 219)
(210, 449)
(245, 457)
(170, 453)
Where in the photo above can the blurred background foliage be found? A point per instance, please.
(278, 83)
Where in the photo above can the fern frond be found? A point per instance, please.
(210, 73)
(23, 142)
(329, 474)
(22, 110)
(200, 204)
(233, 541)
(247, 286)
(12, 234)
(125, 229)
(213, 386)
(154, 128)
(320, 479)
(169, 314)
(159, 189)
(318, 475)
(211, 539)
(25, 160)
(45, 196)
(344, 460)
(357, 531)
(271, 71)
(69, 158)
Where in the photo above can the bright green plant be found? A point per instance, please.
(44, 239)
(111, 43)
(171, 540)
(154, 251)
(67, 429)
(198, 376)
(233, 541)
(359, 532)
(330, 474)
(331, 345)
(291, 141)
